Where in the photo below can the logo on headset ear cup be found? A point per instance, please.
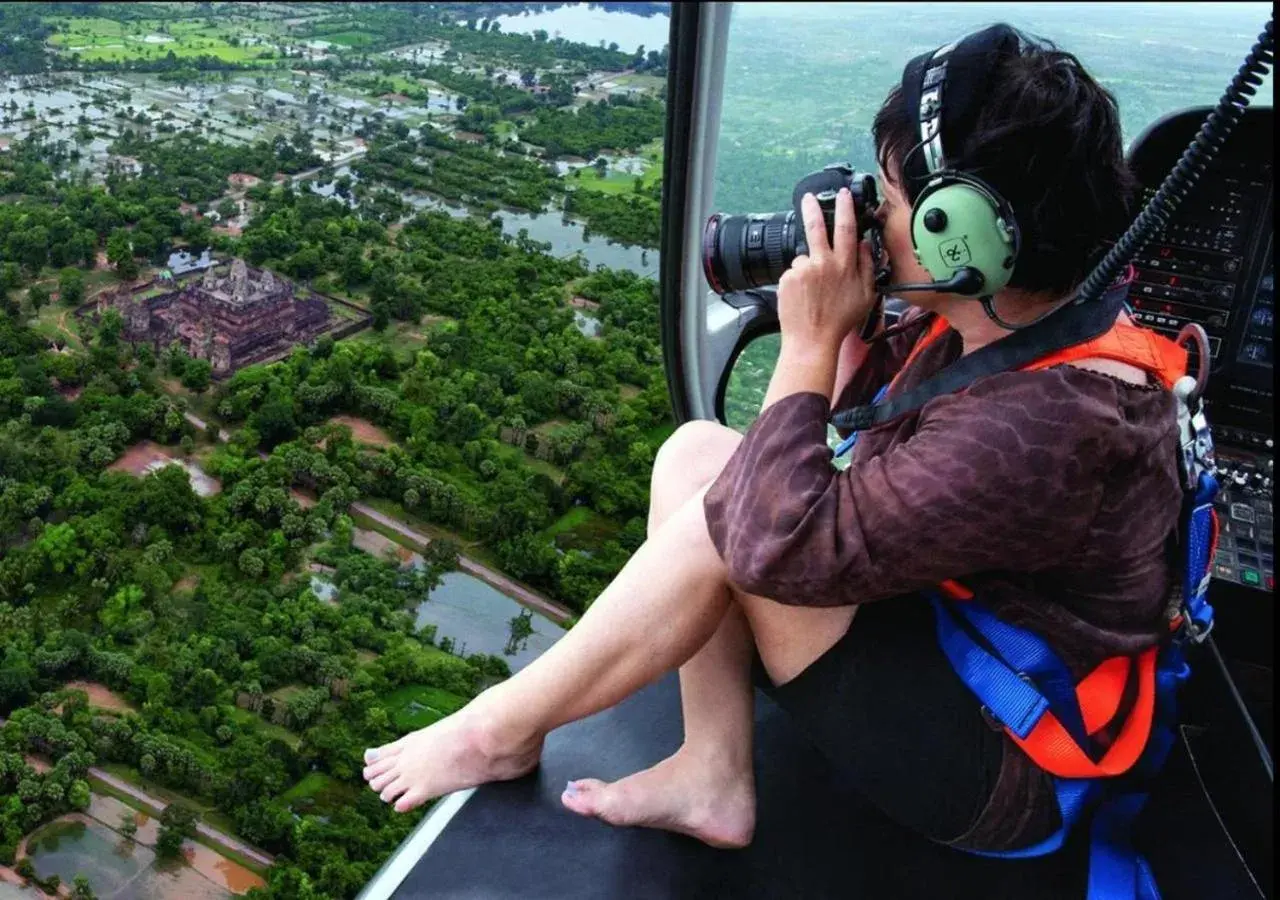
(956, 224)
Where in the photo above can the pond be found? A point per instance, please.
(477, 617)
(75, 847)
(580, 22)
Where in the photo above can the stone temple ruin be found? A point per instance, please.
(232, 316)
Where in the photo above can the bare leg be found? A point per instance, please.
(663, 606)
(706, 789)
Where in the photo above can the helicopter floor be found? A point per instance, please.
(515, 840)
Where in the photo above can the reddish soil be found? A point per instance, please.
(187, 583)
(100, 695)
(469, 137)
(583, 303)
(377, 545)
(399, 98)
(363, 432)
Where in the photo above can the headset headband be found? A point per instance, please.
(963, 70)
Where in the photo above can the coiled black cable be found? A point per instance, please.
(1213, 134)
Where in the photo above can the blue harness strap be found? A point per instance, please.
(1018, 678)
(847, 444)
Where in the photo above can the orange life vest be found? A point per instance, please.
(1100, 693)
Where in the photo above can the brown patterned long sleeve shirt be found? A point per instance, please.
(1053, 495)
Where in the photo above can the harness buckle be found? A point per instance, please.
(1194, 632)
(1194, 435)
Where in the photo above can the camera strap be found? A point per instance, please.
(1074, 324)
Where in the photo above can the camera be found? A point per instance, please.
(753, 250)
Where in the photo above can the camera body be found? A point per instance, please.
(751, 251)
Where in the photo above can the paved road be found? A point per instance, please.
(518, 592)
(226, 841)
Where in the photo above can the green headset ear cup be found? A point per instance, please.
(974, 235)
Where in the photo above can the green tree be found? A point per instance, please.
(197, 375)
(177, 823)
(128, 825)
(37, 296)
(71, 286)
(120, 255)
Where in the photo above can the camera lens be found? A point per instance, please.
(744, 252)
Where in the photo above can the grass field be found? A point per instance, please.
(105, 39)
(348, 38)
(246, 719)
(581, 528)
(318, 794)
(621, 182)
(417, 706)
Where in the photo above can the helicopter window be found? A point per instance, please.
(809, 100)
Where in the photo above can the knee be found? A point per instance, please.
(694, 453)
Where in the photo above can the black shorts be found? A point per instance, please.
(896, 724)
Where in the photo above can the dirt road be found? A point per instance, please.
(225, 841)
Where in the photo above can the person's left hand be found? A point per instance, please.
(831, 291)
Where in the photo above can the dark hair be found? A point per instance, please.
(1048, 139)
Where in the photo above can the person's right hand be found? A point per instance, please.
(829, 292)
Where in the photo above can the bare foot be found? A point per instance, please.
(460, 751)
(700, 796)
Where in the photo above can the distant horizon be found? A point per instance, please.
(841, 9)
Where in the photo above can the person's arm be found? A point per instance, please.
(986, 483)
(853, 353)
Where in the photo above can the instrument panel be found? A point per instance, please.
(1213, 264)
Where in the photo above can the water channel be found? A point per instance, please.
(584, 24)
(566, 237)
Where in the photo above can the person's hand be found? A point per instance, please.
(831, 291)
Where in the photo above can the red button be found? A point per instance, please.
(1271, 582)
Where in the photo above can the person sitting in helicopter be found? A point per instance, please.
(1052, 493)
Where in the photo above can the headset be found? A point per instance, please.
(964, 233)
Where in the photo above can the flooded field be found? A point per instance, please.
(146, 457)
(79, 845)
(477, 618)
(89, 110)
(120, 869)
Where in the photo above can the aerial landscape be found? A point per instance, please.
(331, 385)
